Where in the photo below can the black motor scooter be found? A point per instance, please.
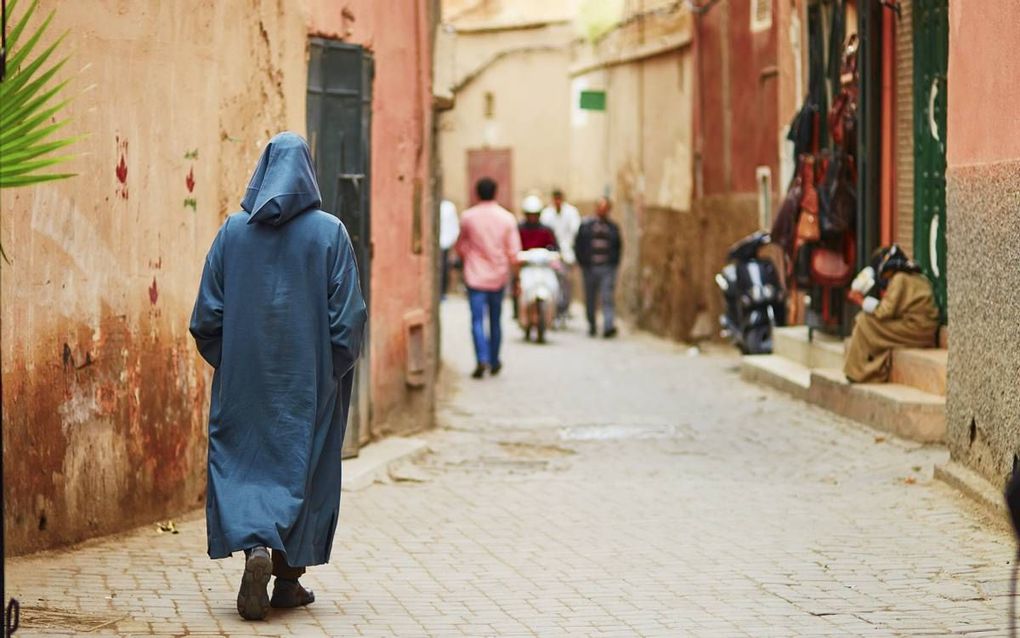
(755, 299)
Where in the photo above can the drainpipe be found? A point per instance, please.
(888, 167)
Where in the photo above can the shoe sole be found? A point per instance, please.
(252, 597)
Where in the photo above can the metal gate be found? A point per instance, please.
(339, 112)
(931, 56)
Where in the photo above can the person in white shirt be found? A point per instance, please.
(449, 230)
(564, 221)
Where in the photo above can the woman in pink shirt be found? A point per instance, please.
(488, 245)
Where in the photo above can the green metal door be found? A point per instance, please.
(931, 55)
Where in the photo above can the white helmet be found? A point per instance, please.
(532, 204)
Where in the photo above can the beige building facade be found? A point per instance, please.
(504, 66)
(638, 150)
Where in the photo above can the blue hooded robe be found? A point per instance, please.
(279, 315)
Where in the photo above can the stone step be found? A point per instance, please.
(777, 372)
(820, 351)
(901, 410)
(921, 369)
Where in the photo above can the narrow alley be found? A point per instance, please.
(594, 488)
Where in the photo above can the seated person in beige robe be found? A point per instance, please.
(899, 311)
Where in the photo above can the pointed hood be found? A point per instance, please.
(283, 184)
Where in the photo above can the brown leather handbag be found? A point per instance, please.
(829, 269)
(785, 225)
(808, 228)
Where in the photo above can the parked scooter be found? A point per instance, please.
(539, 291)
(755, 299)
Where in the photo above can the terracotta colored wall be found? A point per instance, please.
(982, 74)
(104, 395)
(739, 100)
(982, 232)
(399, 34)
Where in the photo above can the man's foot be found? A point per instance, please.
(479, 371)
(496, 367)
(290, 593)
(609, 334)
(591, 331)
(252, 599)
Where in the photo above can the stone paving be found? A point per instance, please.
(594, 488)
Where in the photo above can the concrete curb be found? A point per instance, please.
(973, 486)
(375, 461)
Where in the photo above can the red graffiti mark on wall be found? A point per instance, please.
(121, 168)
(153, 292)
(189, 181)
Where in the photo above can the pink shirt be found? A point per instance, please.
(488, 244)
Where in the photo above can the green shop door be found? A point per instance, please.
(339, 111)
(931, 56)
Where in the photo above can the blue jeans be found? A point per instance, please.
(600, 286)
(486, 349)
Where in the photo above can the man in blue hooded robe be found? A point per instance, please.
(279, 315)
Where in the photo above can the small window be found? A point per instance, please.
(490, 104)
(761, 15)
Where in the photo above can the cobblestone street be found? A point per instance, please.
(594, 488)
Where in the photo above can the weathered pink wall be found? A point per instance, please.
(398, 33)
(984, 82)
(739, 100)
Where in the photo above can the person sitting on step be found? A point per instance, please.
(899, 311)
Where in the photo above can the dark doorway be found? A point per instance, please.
(496, 163)
(339, 121)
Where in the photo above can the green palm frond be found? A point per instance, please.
(29, 105)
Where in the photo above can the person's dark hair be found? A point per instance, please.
(557, 193)
(486, 189)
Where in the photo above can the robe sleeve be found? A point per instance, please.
(207, 316)
(347, 311)
(889, 308)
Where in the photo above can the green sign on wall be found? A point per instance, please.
(593, 100)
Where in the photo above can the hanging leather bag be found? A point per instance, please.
(785, 224)
(843, 114)
(808, 228)
(828, 268)
(837, 196)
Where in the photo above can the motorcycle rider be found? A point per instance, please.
(535, 234)
(542, 273)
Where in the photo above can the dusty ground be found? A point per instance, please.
(595, 488)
